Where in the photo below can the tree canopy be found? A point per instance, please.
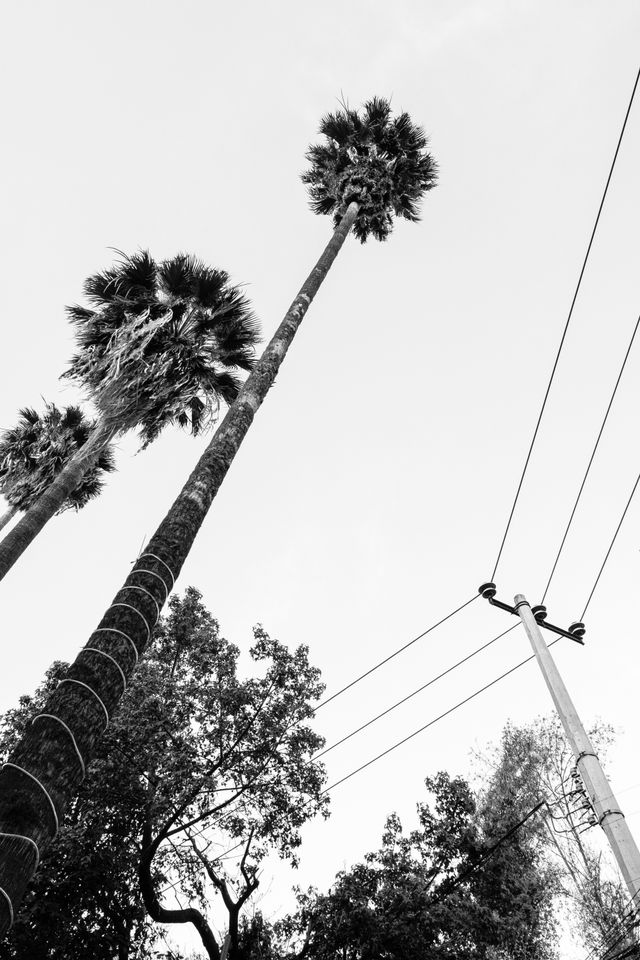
(428, 893)
(590, 891)
(36, 449)
(162, 342)
(199, 764)
(370, 157)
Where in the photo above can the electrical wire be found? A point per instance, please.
(457, 880)
(367, 673)
(404, 740)
(424, 686)
(624, 513)
(491, 850)
(591, 459)
(605, 941)
(395, 653)
(566, 326)
(415, 733)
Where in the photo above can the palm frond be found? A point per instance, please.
(79, 315)
(39, 446)
(377, 160)
(155, 351)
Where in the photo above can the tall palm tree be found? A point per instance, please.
(161, 343)
(34, 452)
(370, 168)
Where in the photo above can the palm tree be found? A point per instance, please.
(161, 343)
(34, 452)
(370, 168)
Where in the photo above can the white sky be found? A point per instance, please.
(370, 496)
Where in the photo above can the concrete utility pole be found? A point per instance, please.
(605, 805)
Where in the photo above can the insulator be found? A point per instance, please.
(578, 629)
(539, 612)
(487, 590)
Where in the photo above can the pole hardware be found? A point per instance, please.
(576, 631)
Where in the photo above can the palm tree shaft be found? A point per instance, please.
(173, 539)
(93, 687)
(8, 516)
(50, 502)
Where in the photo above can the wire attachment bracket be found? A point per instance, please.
(576, 631)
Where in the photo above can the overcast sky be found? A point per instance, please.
(370, 496)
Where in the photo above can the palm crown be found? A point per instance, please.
(379, 161)
(163, 342)
(34, 451)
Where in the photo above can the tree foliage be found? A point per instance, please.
(373, 158)
(162, 342)
(594, 897)
(199, 764)
(34, 452)
(430, 894)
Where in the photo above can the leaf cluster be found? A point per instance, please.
(375, 159)
(198, 759)
(35, 450)
(407, 901)
(593, 897)
(162, 342)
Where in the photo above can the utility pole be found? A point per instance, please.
(605, 806)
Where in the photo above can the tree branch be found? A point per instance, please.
(193, 793)
(159, 913)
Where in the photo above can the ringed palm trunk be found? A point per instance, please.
(46, 506)
(7, 516)
(47, 765)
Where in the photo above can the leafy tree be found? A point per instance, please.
(200, 764)
(594, 895)
(372, 143)
(34, 452)
(86, 903)
(161, 343)
(434, 892)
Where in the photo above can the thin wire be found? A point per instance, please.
(405, 740)
(624, 513)
(490, 852)
(591, 458)
(395, 653)
(412, 694)
(431, 722)
(395, 745)
(566, 326)
(353, 683)
(605, 941)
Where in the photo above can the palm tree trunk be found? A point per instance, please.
(33, 520)
(7, 516)
(45, 768)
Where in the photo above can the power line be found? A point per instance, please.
(413, 694)
(395, 653)
(591, 458)
(624, 513)
(404, 740)
(362, 676)
(566, 326)
(605, 941)
(415, 733)
(492, 849)
(400, 742)
(488, 853)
